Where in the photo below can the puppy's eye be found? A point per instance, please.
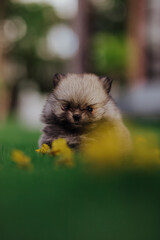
(89, 109)
(67, 107)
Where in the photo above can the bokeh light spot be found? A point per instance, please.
(62, 41)
(14, 29)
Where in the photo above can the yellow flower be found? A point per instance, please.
(21, 159)
(61, 149)
(58, 146)
(108, 146)
(156, 155)
(105, 146)
(44, 149)
(146, 151)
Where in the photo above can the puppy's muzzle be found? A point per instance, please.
(76, 117)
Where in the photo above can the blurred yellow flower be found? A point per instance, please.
(44, 149)
(61, 149)
(146, 151)
(106, 146)
(156, 154)
(21, 159)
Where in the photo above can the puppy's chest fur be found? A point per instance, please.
(55, 130)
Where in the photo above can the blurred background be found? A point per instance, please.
(118, 38)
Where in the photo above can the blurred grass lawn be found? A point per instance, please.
(66, 204)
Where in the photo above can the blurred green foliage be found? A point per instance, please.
(109, 55)
(73, 203)
(109, 44)
(107, 51)
(107, 48)
(39, 18)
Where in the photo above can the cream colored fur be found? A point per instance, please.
(84, 88)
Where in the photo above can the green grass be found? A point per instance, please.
(65, 204)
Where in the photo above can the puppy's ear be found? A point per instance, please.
(107, 83)
(56, 78)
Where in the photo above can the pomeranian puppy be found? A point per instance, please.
(76, 105)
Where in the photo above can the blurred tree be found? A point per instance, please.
(81, 25)
(4, 97)
(101, 28)
(38, 20)
(137, 24)
(153, 41)
(108, 45)
(27, 55)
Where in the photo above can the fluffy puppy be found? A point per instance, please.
(76, 105)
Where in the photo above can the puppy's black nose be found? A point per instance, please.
(76, 117)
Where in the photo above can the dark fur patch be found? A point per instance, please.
(56, 78)
(107, 83)
(54, 131)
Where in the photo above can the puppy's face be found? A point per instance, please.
(80, 99)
